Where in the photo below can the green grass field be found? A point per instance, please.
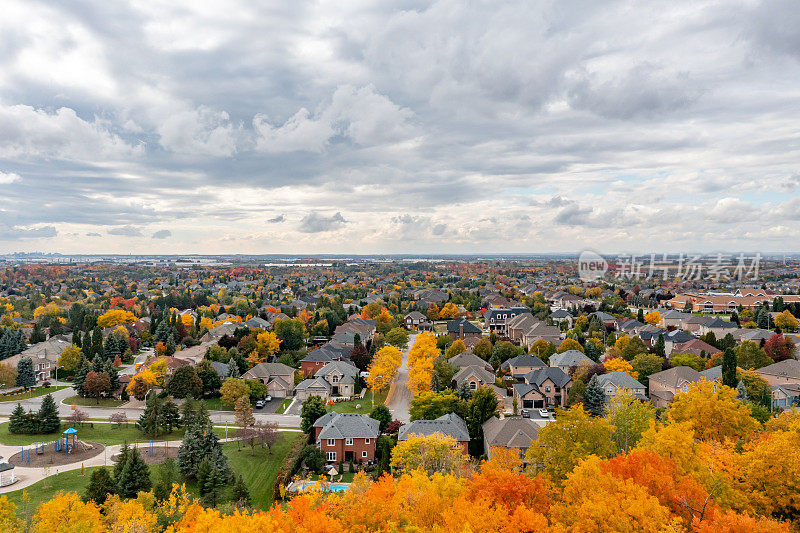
(260, 470)
(365, 403)
(106, 434)
(283, 406)
(215, 404)
(91, 402)
(33, 393)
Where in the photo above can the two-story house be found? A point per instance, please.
(449, 425)
(345, 437)
(496, 318)
(665, 385)
(612, 381)
(278, 378)
(543, 388)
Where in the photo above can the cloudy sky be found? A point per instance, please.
(399, 126)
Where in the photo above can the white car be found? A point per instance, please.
(544, 413)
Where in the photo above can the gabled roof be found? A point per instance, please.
(450, 425)
(346, 369)
(268, 370)
(712, 374)
(416, 315)
(677, 336)
(510, 432)
(673, 377)
(313, 383)
(454, 326)
(467, 359)
(619, 379)
(524, 360)
(554, 374)
(479, 372)
(569, 358)
(347, 426)
(790, 368)
(560, 313)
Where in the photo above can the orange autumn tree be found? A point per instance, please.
(420, 362)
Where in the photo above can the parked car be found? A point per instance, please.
(260, 403)
(267, 398)
(544, 413)
(526, 413)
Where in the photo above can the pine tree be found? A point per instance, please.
(640, 316)
(594, 397)
(729, 368)
(167, 475)
(189, 452)
(86, 345)
(149, 420)
(49, 422)
(113, 375)
(18, 422)
(169, 348)
(134, 477)
(26, 377)
(241, 495)
(121, 460)
(100, 486)
(80, 377)
(37, 335)
(170, 417)
(76, 338)
(659, 347)
(97, 343)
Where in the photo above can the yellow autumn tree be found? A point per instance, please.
(9, 521)
(653, 318)
(159, 369)
(786, 321)
(714, 412)
(114, 317)
(449, 310)
(50, 309)
(384, 368)
(66, 512)
(569, 344)
(434, 453)
(420, 363)
(267, 343)
(619, 364)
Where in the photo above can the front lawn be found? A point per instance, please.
(260, 471)
(215, 404)
(350, 406)
(103, 433)
(92, 402)
(283, 406)
(32, 393)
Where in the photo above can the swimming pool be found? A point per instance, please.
(301, 486)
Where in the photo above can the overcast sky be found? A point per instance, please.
(399, 126)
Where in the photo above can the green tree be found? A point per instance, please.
(49, 422)
(630, 418)
(291, 332)
(483, 406)
(313, 409)
(166, 474)
(646, 364)
(659, 348)
(241, 495)
(209, 377)
(113, 376)
(185, 382)
(483, 348)
(149, 419)
(397, 337)
(594, 397)
(18, 423)
(313, 458)
(169, 417)
(431, 405)
(26, 377)
(382, 414)
(99, 487)
(634, 347)
(729, 365)
(134, 476)
(688, 359)
(751, 355)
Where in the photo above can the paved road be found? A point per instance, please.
(217, 417)
(401, 397)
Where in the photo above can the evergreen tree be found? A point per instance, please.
(163, 332)
(18, 422)
(86, 345)
(121, 460)
(80, 377)
(659, 347)
(97, 343)
(149, 420)
(100, 486)
(594, 397)
(76, 338)
(194, 413)
(49, 422)
(167, 475)
(113, 375)
(169, 417)
(26, 377)
(169, 347)
(729, 368)
(134, 476)
(640, 316)
(37, 335)
(241, 495)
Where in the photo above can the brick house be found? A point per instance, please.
(278, 378)
(782, 373)
(522, 364)
(463, 329)
(543, 387)
(343, 437)
(665, 385)
(413, 319)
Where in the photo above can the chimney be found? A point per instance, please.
(461, 329)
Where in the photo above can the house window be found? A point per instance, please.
(336, 379)
(331, 457)
(331, 442)
(366, 441)
(547, 389)
(473, 385)
(348, 442)
(364, 453)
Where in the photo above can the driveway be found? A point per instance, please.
(400, 396)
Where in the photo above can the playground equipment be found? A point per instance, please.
(37, 448)
(69, 442)
(153, 448)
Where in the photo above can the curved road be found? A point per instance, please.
(400, 399)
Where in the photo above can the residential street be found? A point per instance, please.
(400, 399)
(218, 417)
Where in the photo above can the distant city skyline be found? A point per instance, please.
(400, 127)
